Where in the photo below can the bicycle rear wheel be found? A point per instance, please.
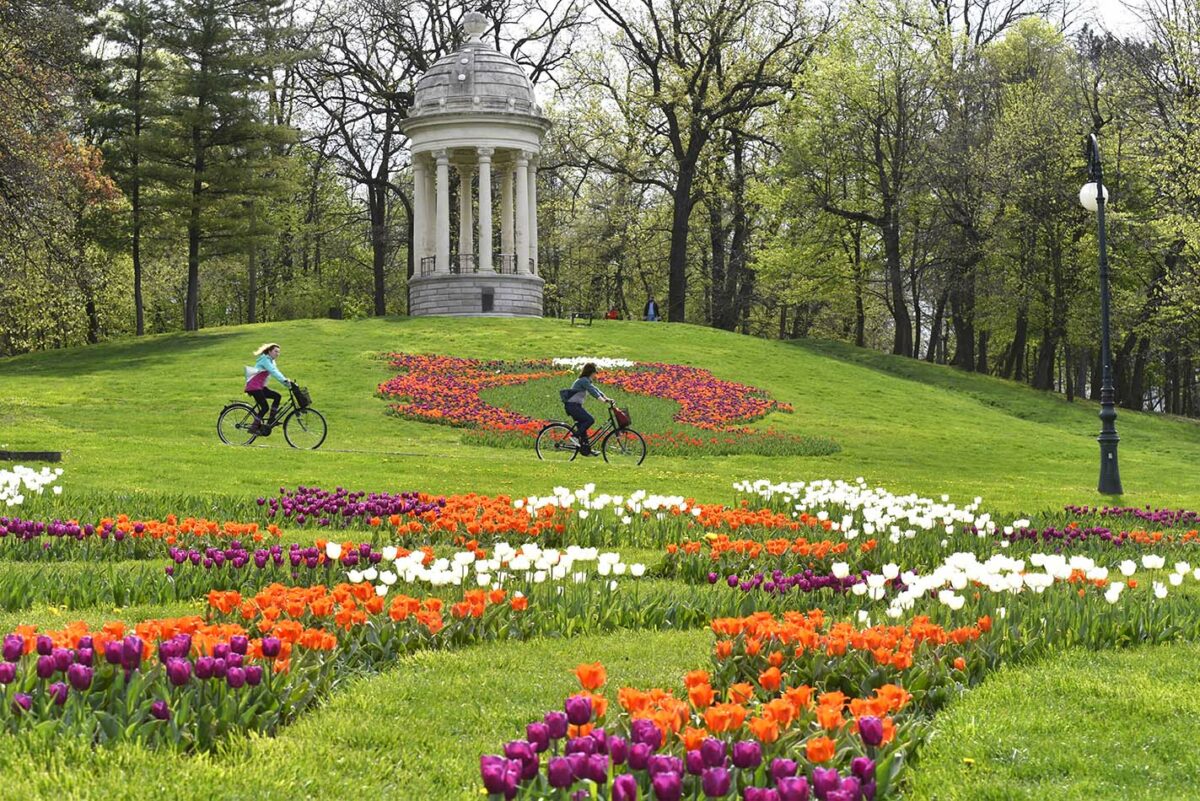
(304, 429)
(556, 443)
(233, 425)
(624, 446)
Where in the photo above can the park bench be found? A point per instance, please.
(581, 315)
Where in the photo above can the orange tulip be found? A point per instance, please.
(820, 749)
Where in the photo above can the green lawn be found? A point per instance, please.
(140, 415)
(137, 422)
(413, 733)
(1083, 726)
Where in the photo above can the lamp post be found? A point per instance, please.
(1093, 196)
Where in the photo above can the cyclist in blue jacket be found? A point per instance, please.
(573, 400)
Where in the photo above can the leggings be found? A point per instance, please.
(583, 421)
(261, 396)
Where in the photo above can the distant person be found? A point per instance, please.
(612, 314)
(256, 385)
(573, 400)
(651, 314)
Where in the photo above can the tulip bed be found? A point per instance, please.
(680, 410)
(841, 619)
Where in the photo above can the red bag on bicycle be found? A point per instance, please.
(622, 417)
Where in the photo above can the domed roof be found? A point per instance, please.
(474, 77)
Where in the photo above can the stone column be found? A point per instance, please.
(430, 215)
(420, 212)
(506, 210)
(522, 220)
(466, 219)
(485, 209)
(442, 241)
(533, 228)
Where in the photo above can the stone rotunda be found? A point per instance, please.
(475, 111)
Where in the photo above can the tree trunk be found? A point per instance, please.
(1014, 361)
(962, 317)
(135, 200)
(935, 332)
(981, 363)
(902, 342)
(191, 307)
(681, 212)
(1069, 379)
(377, 208)
(719, 308)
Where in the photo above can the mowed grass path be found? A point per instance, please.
(140, 416)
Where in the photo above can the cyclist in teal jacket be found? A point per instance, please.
(573, 400)
(256, 384)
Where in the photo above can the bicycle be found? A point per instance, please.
(303, 426)
(619, 444)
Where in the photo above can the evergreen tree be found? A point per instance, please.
(219, 56)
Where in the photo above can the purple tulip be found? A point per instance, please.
(825, 780)
(62, 658)
(661, 763)
(219, 668)
(863, 768)
(644, 731)
(493, 769)
(238, 643)
(792, 788)
(578, 709)
(715, 782)
(713, 752)
(781, 768)
(868, 790)
(235, 677)
(840, 795)
(760, 794)
(578, 763)
(8, 672)
(254, 675)
(179, 671)
(852, 785)
(639, 756)
(80, 676)
(597, 768)
(538, 734)
(59, 692)
(557, 723)
(131, 652)
(870, 728)
(234, 660)
(694, 762)
(45, 667)
(747, 754)
(522, 752)
(220, 650)
(44, 645)
(581, 745)
(21, 703)
(618, 749)
(14, 647)
(204, 667)
(667, 786)
(558, 771)
(624, 788)
(271, 647)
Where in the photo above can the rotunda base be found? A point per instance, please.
(475, 295)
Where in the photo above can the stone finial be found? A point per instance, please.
(475, 24)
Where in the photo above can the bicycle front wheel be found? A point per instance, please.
(234, 423)
(624, 446)
(304, 429)
(556, 443)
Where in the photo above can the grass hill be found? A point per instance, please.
(139, 415)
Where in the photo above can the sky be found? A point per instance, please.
(1113, 15)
